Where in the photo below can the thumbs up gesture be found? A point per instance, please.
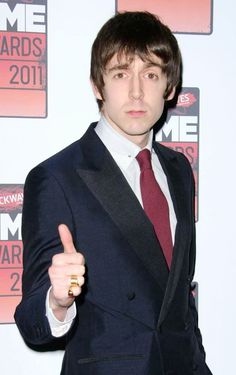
(65, 268)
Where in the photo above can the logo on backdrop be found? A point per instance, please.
(181, 131)
(182, 16)
(11, 200)
(23, 58)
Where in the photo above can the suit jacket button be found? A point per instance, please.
(186, 326)
(130, 295)
(195, 367)
(159, 329)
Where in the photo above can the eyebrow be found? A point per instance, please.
(118, 67)
(148, 64)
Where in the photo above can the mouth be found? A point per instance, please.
(136, 113)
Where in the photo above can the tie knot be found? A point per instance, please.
(144, 159)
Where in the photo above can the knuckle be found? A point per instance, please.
(80, 258)
(50, 271)
(82, 270)
(76, 291)
(54, 258)
(57, 259)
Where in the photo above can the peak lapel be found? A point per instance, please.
(170, 165)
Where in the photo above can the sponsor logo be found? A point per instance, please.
(181, 131)
(23, 58)
(11, 199)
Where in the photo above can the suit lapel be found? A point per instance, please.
(170, 166)
(107, 183)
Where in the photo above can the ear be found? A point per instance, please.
(172, 94)
(96, 91)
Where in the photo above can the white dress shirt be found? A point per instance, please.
(124, 153)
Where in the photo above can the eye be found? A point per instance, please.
(120, 75)
(151, 75)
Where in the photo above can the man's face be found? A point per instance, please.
(133, 96)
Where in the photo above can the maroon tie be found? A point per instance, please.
(155, 204)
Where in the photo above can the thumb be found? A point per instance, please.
(66, 239)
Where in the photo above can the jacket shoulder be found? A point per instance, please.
(70, 155)
(169, 152)
(175, 158)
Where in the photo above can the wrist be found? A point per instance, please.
(58, 310)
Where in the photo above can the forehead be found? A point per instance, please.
(122, 59)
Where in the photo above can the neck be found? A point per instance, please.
(139, 140)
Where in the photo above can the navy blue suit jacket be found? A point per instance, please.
(134, 316)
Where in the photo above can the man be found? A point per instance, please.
(115, 278)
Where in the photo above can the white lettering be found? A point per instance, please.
(35, 18)
(179, 129)
(170, 129)
(17, 15)
(188, 131)
(7, 199)
(7, 225)
(27, 17)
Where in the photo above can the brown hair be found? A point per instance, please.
(139, 33)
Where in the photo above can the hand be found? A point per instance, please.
(65, 264)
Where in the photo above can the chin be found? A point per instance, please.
(140, 130)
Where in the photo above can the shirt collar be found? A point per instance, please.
(119, 146)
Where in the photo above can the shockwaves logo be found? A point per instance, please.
(181, 131)
(23, 58)
(11, 200)
(182, 16)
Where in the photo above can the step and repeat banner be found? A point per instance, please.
(46, 103)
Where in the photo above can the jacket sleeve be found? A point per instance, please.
(45, 207)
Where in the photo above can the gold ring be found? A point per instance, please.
(73, 283)
(70, 292)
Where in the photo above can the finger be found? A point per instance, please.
(80, 282)
(66, 239)
(76, 290)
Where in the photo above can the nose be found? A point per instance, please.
(136, 88)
